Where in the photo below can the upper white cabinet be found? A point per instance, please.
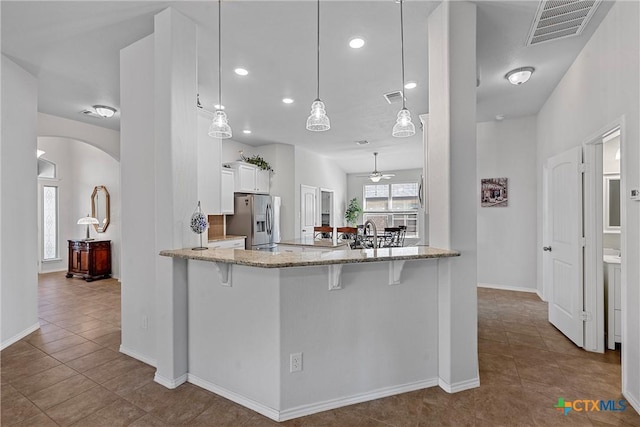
(227, 188)
(250, 178)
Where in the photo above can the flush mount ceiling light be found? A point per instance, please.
(411, 85)
(403, 127)
(219, 126)
(356, 43)
(499, 117)
(241, 71)
(287, 100)
(318, 121)
(519, 75)
(246, 131)
(104, 111)
(362, 142)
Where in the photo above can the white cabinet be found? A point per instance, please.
(262, 181)
(227, 182)
(612, 279)
(227, 244)
(250, 178)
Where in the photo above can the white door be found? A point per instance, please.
(307, 210)
(563, 256)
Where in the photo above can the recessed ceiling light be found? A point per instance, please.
(287, 100)
(104, 111)
(362, 142)
(247, 131)
(218, 107)
(356, 43)
(241, 71)
(411, 85)
(519, 75)
(500, 117)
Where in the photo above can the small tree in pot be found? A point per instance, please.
(352, 212)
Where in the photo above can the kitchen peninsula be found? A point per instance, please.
(291, 334)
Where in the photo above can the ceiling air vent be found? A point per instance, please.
(393, 97)
(90, 113)
(557, 19)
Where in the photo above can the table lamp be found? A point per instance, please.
(87, 220)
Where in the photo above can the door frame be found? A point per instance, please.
(332, 219)
(315, 214)
(593, 231)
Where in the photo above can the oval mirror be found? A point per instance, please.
(100, 208)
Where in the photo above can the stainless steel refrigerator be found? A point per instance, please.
(256, 216)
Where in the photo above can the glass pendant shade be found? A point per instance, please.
(403, 127)
(318, 121)
(375, 178)
(219, 127)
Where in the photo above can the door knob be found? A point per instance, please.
(546, 248)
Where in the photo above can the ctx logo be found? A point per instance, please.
(589, 405)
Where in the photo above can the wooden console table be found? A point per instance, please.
(90, 259)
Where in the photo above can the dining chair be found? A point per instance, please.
(322, 232)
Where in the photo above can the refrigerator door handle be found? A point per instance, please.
(269, 225)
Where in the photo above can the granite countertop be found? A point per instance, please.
(227, 237)
(265, 259)
(318, 243)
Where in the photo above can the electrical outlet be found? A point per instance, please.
(145, 322)
(295, 362)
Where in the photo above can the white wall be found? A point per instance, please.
(321, 172)
(107, 140)
(80, 168)
(18, 211)
(507, 235)
(601, 86)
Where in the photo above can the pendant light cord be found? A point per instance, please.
(402, 50)
(219, 55)
(318, 52)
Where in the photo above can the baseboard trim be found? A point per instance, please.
(138, 356)
(459, 386)
(17, 337)
(169, 383)
(635, 404)
(313, 408)
(235, 397)
(507, 288)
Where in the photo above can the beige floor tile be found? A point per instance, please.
(95, 359)
(131, 381)
(15, 407)
(62, 391)
(75, 352)
(113, 369)
(61, 344)
(34, 383)
(81, 406)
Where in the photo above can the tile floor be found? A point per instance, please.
(70, 373)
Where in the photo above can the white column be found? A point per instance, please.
(453, 187)
(18, 204)
(175, 184)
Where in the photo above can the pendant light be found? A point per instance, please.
(403, 126)
(318, 121)
(219, 127)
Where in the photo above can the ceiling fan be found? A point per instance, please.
(376, 176)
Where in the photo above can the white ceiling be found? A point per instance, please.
(73, 49)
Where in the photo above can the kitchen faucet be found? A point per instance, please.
(375, 232)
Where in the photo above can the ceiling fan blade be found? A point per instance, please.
(388, 174)
(386, 177)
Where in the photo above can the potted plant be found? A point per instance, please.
(352, 212)
(258, 161)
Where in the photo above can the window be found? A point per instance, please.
(392, 205)
(49, 222)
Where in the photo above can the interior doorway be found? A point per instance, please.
(326, 207)
(307, 210)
